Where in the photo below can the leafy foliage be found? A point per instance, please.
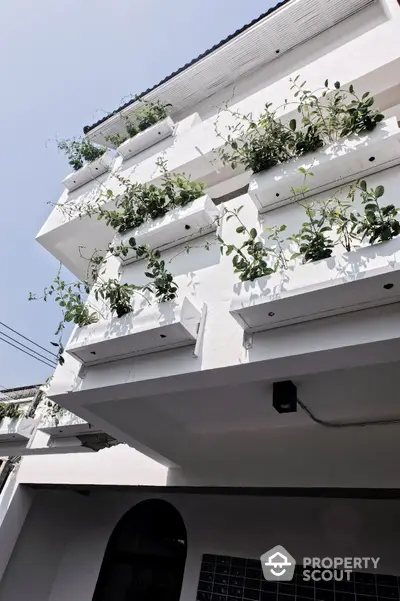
(335, 112)
(253, 259)
(325, 116)
(258, 145)
(162, 283)
(142, 202)
(54, 411)
(11, 410)
(119, 296)
(313, 242)
(147, 115)
(378, 224)
(80, 151)
(70, 296)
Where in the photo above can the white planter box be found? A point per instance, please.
(144, 139)
(19, 429)
(344, 283)
(339, 163)
(68, 425)
(90, 171)
(150, 328)
(178, 226)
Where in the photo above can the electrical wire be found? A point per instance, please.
(321, 422)
(28, 339)
(26, 353)
(27, 347)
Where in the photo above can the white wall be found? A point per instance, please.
(119, 465)
(62, 566)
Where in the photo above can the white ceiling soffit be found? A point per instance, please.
(287, 27)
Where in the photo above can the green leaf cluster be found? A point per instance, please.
(325, 116)
(80, 151)
(148, 114)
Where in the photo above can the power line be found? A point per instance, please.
(27, 347)
(28, 339)
(26, 353)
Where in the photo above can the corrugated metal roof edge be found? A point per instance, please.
(230, 37)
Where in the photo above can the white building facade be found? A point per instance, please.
(248, 413)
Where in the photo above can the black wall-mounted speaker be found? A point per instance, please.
(284, 396)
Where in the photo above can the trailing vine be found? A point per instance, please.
(253, 259)
(72, 296)
(162, 285)
(80, 151)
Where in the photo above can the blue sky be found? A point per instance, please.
(62, 64)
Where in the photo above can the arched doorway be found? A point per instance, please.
(145, 556)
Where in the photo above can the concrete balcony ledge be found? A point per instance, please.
(180, 225)
(65, 425)
(361, 279)
(18, 429)
(144, 139)
(89, 172)
(147, 329)
(336, 164)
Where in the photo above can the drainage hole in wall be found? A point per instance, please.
(162, 336)
(371, 159)
(388, 286)
(277, 51)
(277, 194)
(271, 314)
(187, 227)
(96, 168)
(92, 352)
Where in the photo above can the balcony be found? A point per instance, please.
(334, 165)
(16, 429)
(147, 329)
(178, 226)
(65, 425)
(144, 139)
(367, 277)
(89, 172)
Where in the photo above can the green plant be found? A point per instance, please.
(326, 115)
(118, 295)
(313, 242)
(343, 219)
(70, 296)
(335, 112)
(253, 259)
(378, 224)
(147, 115)
(162, 285)
(142, 202)
(80, 151)
(11, 410)
(54, 411)
(256, 144)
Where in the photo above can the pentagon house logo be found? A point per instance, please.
(278, 564)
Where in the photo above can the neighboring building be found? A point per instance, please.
(218, 461)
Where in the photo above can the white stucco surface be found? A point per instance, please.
(117, 465)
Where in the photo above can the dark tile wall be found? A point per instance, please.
(224, 578)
